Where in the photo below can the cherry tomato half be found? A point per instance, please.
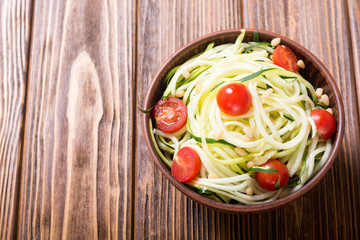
(170, 114)
(186, 164)
(284, 57)
(325, 123)
(268, 180)
(234, 99)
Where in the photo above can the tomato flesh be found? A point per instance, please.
(325, 123)
(234, 99)
(284, 57)
(268, 180)
(170, 114)
(186, 164)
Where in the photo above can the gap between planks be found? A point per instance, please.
(134, 113)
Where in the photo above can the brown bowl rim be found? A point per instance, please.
(238, 208)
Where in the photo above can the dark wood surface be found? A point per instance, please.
(73, 160)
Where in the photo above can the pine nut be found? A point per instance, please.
(241, 152)
(246, 138)
(267, 93)
(275, 42)
(180, 94)
(198, 88)
(259, 160)
(330, 111)
(249, 191)
(212, 176)
(325, 100)
(185, 74)
(301, 64)
(250, 164)
(218, 134)
(319, 92)
(248, 132)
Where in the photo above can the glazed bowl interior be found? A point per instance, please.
(314, 72)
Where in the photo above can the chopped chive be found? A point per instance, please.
(286, 77)
(267, 86)
(211, 140)
(256, 36)
(288, 117)
(254, 75)
(263, 88)
(146, 110)
(277, 185)
(306, 150)
(247, 78)
(320, 105)
(262, 169)
(217, 86)
(289, 79)
(255, 45)
(200, 190)
(267, 170)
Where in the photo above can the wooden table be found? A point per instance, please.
(73, 161)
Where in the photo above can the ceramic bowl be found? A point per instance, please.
(315, 72)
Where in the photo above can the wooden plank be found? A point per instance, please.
(160, 210)
(331, 209)
(77, 155)
(14, 48)
(354, 24)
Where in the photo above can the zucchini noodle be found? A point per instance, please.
(280, 122)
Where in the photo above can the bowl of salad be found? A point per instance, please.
(243, 120)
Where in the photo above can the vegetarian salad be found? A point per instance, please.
(238, 123)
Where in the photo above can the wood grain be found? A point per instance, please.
(164, 26)
(77, 178)
(354, 24)
(330, 210)
(14, 48)
(81, 169)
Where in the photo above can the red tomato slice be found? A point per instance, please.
(268, 180)
(284, 57)
(325, 123)
(170, 114)
(234, 99)
(186, 164)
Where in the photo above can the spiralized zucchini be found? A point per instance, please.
(279, 119)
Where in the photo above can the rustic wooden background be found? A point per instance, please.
(73, 161)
